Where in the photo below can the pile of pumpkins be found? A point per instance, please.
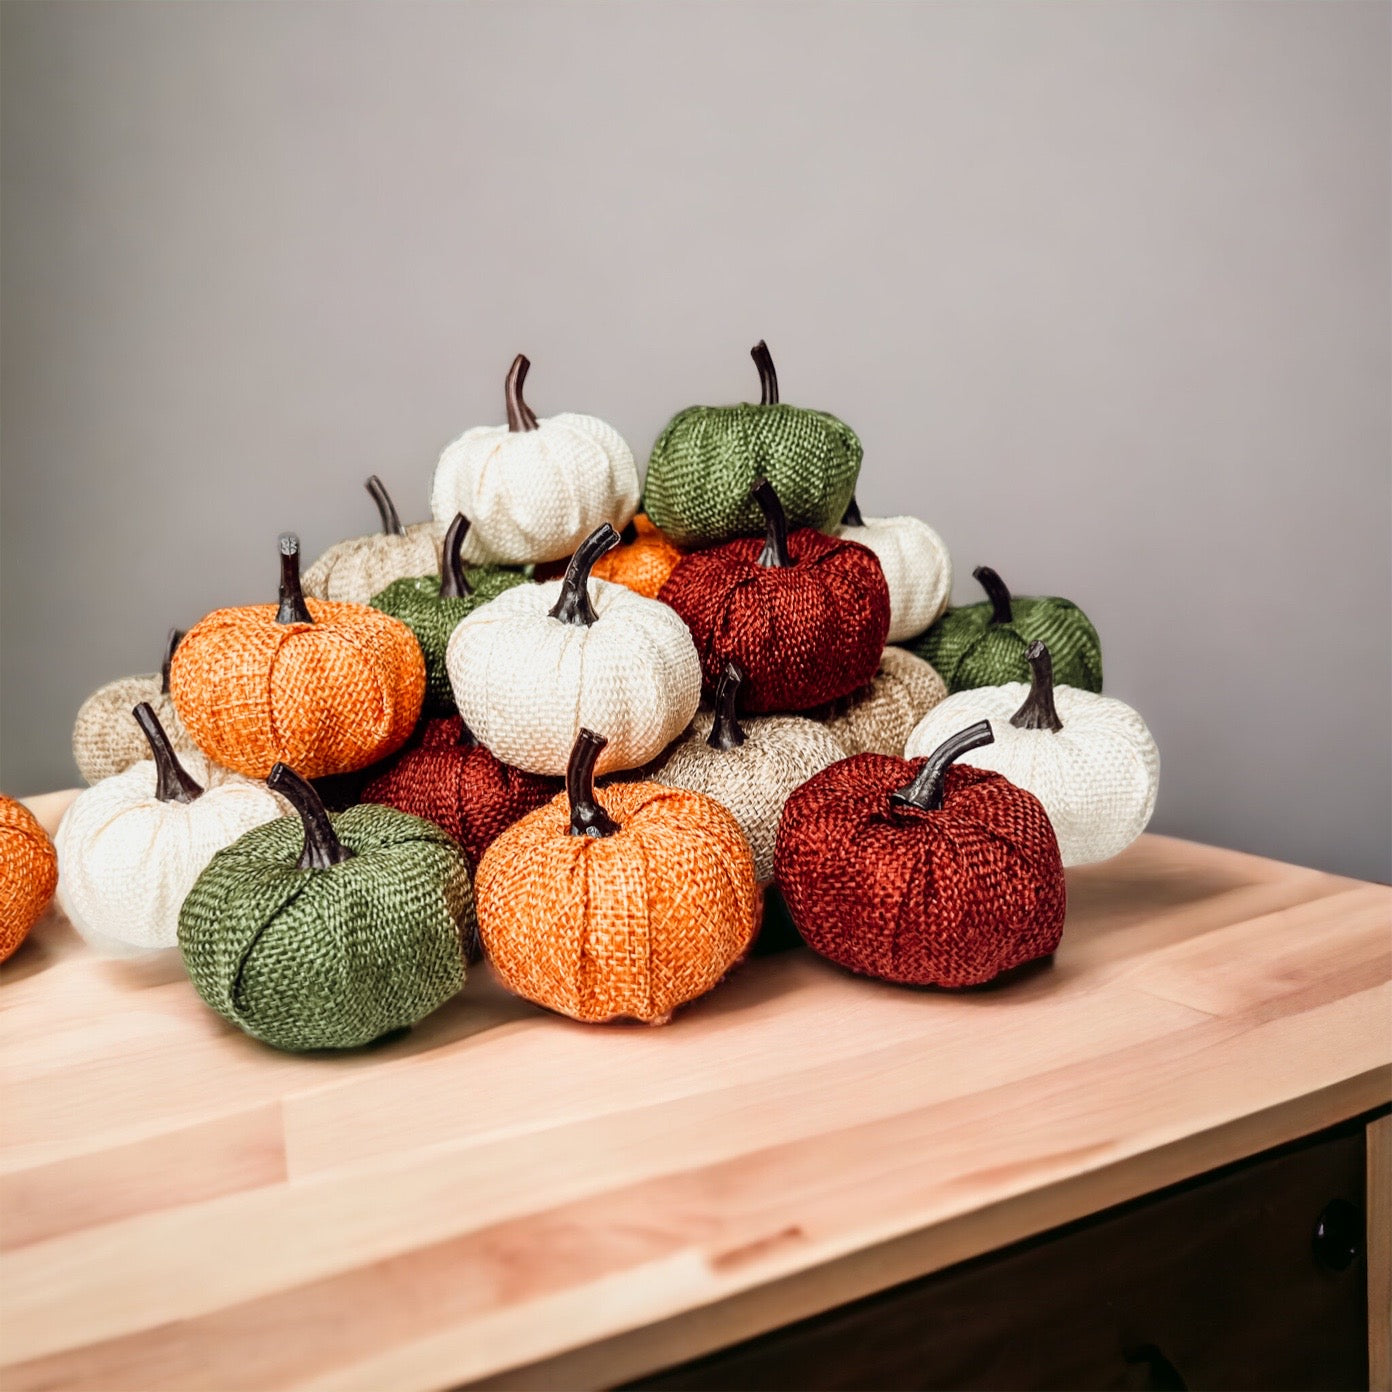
(586, 741)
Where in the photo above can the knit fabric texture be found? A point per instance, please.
(352, 571)
(126, 860)
(946, 898)
(462, 788)
(535, 495)
(432, 617)
(1097, 777)
(643, 564)
(917, 568)
(324, 697)
(708, 458)
(28, 873)
(107, 741)
(330, 959)
(629, 925)
(878, 718)
(804, 634)
(526, 684)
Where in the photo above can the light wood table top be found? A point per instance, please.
(508, 1197)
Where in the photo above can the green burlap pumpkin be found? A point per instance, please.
(431, 605)
(323, 932)
(984, 644)
(708, 458)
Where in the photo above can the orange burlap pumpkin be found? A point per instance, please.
(630, 909)
(28, 873)
(644, 560)
(323, 687)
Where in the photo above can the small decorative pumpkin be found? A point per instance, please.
(629, 908)
(28, 873)
(704, 466)
(106, 740)
(432, 605)
(984, 644)
(351, 572)
(450, 779)
(916, 564)
(130, 847)
(1089, 759)
(804, 615)
(333, 687)
(329, 931)
(534, 666)
(535, 489)
(921, 872)
(642, 563)
(878, 718)
(750, 768)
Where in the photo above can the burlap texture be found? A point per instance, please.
(641, 565)
(878, 718)
(107, 741)
(917, 567)
(352, 571)
(28, 873)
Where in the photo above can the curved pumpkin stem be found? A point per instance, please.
(851, 517)
(386, 509)
(453, 584)
(926, 791)
(1038, 711)
(996, 592)
(587, 817)
(176, 636)
(520, 415)
(775, 552)
(173, 782)
(573, 604)
(726, 732)
(293, 608)
(322, 848)
(768, 378)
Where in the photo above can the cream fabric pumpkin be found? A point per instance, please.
(916, 565)
(879, 718)
(131, 846)
(534, 489)
(1089, 759)
(533, 667)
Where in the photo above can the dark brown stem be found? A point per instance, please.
(453, 584)
(725, 729)
(775, 552)
(573, 605)
(520, 415)
(173, 782)
(322, 848)
(587, 817)
(293, 608)
(1038, 711)
(851, 517)
(176, 636)
(768, 378)
(386, 509)
(996, 592)
(926, 791)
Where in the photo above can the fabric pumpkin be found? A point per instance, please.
(803, 615)
(450, 779)
(537, 664)
(328, 932)
(704, 466)
(432, 605)
(535, 489)
(879, 718)
(28, 873)
(130, 848)
(984, 644)
(351, 572)
(916, 565)
(642, 563)
(333, 687)
(750, 768)
(921, 872)
(1089, 759)
(626, 909)
(106, 740)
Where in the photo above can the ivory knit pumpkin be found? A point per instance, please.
(642, 563)
(916, 565)
(535, 488)
(351, 572)
(921, 873)
(984, 644)
(28, 873)
(803, 615)
(334, 687)
(878, 718)
(130, 847)
(533, 667)
(1089, 759)
(629, 908)
(328, 932)
(703, 468)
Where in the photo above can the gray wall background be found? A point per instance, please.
(1104, 288)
